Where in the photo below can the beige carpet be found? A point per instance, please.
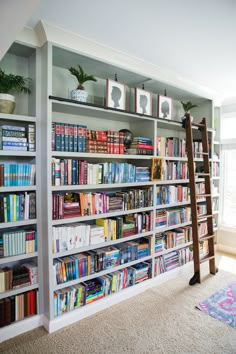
(160, 320)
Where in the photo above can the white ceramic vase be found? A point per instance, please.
(79, 95)
(7, 103)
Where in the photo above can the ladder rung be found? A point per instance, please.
(204, 195)
(206, 237)
(201, 153)
(202, 174)
(205, 216)
(198, 125)
(206, 258)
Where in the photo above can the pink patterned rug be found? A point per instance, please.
(222, 305)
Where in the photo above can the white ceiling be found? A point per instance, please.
(195, 39)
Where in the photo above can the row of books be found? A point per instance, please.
(73, 297)
(77, 172)
(17, 206)
(17, 174)
(21, 275)
(90, 262)
(172, 217)
(17, 137)
(170, 146)
(174, 170)
(172, 260)
(176, 193)
(177, 237)
(82, 204)
(15, 242)
(140, 146)
(173, 238)
(18, 307)
(216, 169)
(77, 235)
(77, 138)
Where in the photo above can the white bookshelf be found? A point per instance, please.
(19, 257)
(22, 59)
(17, 291)
(56, 107)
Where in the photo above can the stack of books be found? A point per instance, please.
(143, 174)
(17, 137)
(141, 146)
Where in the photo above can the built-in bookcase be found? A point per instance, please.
(21, 304)
(57, 107)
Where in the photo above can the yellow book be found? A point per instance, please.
(14, 207)
(114, 278)
(104, 224)
(113, 230)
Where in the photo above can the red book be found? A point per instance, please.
(141, 146)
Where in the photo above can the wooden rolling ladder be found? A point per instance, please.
(197, 239)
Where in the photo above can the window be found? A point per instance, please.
(228, 135)
(229, 186)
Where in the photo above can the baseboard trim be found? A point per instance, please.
(97, 306)
(20, 327)
(226, 249)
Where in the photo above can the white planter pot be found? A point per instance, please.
(79, 95)
(7, 103)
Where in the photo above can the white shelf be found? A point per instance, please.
(101, 245)
(17, 189)
(17, 291)
(164, 206)
(216, 177)
(168, 250)
(19, 257)
(100, 186)
(68, 107)
(17, 153)
(99, 216)
(5, 225)
(166, 228)
(18, 118)
(103, 272)
(86, 155)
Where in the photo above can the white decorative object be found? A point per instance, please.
(79, 95)
(7, 103)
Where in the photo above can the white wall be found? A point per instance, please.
(13, 17)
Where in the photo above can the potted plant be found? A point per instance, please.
(9, 84)
(187, 107)
(80, 94)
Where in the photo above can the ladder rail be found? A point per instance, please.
(192, 183)
(206, 165)
(209, 237)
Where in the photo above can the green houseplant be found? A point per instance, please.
(80, 94)
(10, 83)
(187, 107)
